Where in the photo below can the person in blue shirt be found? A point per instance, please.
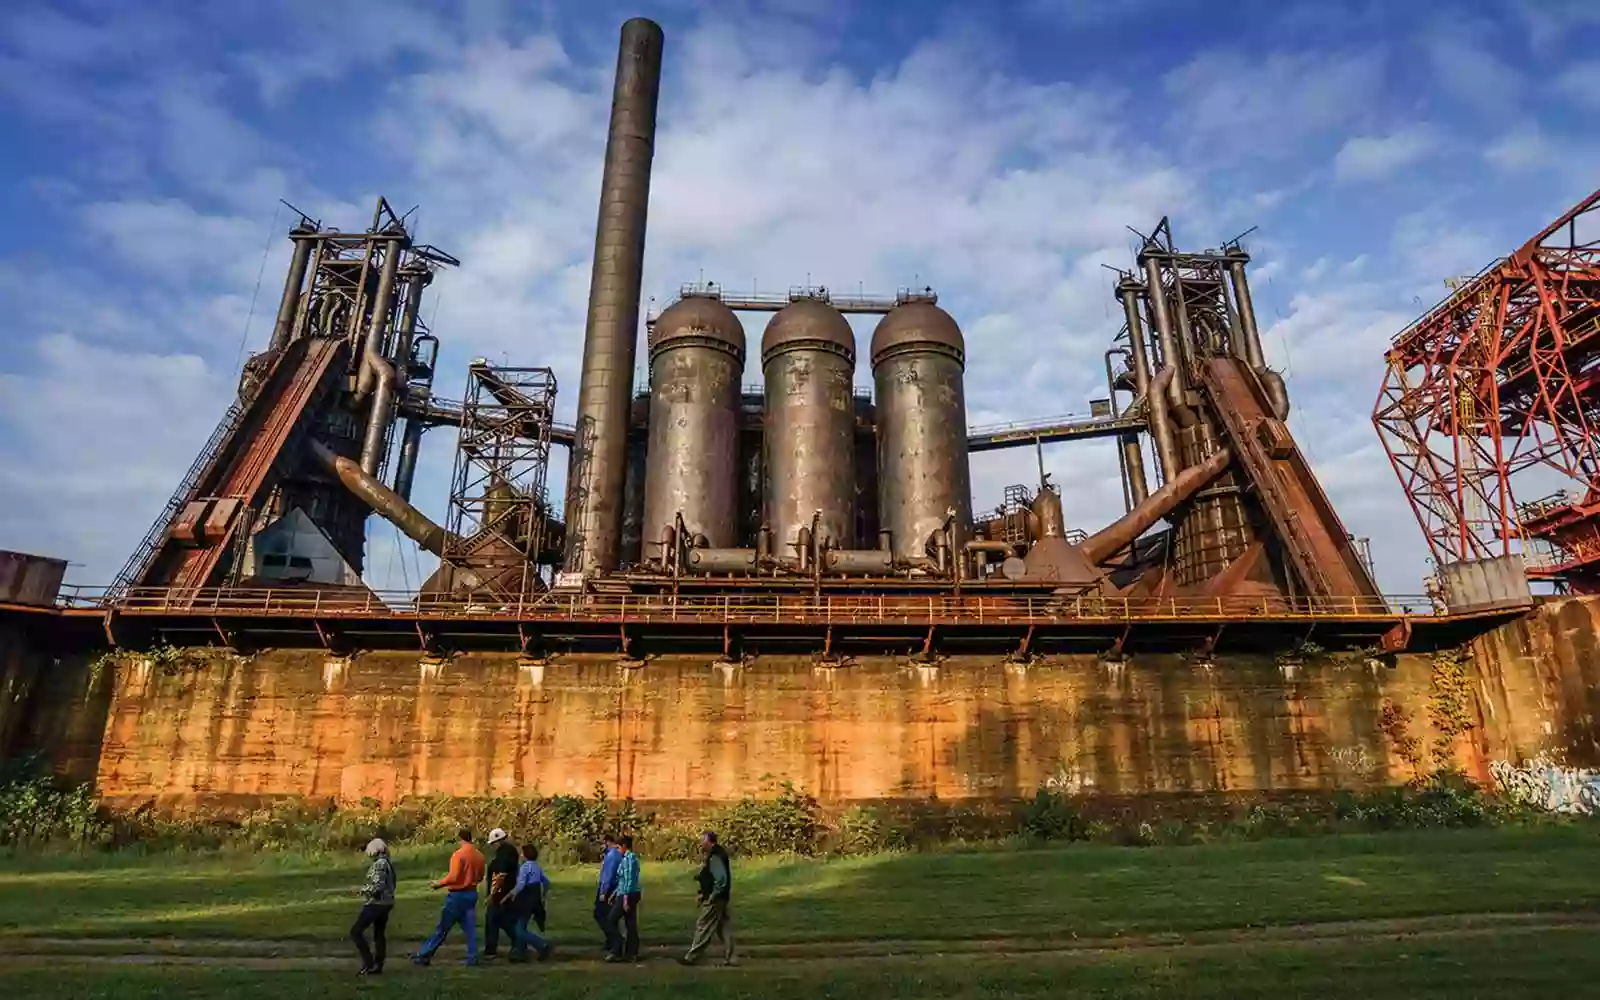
(602, 900)
(526, 902)
(625, 904)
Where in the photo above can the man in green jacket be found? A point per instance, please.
(716, 887)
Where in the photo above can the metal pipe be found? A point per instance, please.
(1247, 311)
(405, 466)
(289, 305)
(417, 279)
(860, 562)
(982, 545)
(722, 560)
(1130, 461)
(1133, 463)
(372, 342)
(1124, 531)
(611, 332)
(388, 504)
(1160, 422)
(1164, 332)
(377, 375)
(1128, 292)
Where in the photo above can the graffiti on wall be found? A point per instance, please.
(1544, 784)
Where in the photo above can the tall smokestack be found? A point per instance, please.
(605, 389)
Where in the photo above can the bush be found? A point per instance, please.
(36, 809)
(1444, 799)
(1053, 816)
(790, 823)
(862, 830)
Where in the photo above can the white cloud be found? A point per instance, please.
(1470, 71)
(1260, 106)
(1524, 149)
(1369, 157)
(1580, 83)
(96, 440)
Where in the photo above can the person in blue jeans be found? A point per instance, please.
(461, 901)
(602, 900)
(526, 902)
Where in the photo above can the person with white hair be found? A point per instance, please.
(377, 902)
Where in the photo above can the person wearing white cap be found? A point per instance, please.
(502, 877)
(377, 903)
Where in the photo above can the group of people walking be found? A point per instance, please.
(517, 890)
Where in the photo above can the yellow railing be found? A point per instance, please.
(746, 608)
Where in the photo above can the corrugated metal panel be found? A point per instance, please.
(26, 579)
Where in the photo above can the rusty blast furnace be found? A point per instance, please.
(702, 512)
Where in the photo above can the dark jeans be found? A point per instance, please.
(625, 926)
(602, 916)
(376, 917)
(497, 917)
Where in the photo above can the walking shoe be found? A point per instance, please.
(420, 959)
(469, 961)
(684, 961)
(613, 957)
(543, 955)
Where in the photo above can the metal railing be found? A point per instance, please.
(743, 608)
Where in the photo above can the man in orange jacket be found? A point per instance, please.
(460, 902)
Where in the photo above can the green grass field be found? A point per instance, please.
(1503, 913)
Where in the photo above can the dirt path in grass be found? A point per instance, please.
(283, 954)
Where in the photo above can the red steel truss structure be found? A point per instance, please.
(1501, 377)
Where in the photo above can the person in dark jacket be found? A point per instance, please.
(499, 916)
(716, 888)
(377, 902)
(526, 902)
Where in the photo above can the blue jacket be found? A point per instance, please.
(608, 871)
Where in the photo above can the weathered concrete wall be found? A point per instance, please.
(231, 732)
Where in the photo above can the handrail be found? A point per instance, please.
(748, 608)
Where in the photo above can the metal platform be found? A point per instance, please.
(829, 627)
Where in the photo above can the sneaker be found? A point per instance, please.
(732, 963)
(469, 961)
(419, 959)
(544, 955)
(684, 961)
(612, 956)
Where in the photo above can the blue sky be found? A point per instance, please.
(995, 151)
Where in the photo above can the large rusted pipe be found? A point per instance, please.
(1159, 419)
(289, 305)
(1122, 532)
(413, 523)
(1247, 311)
(377, 377)
(599, 458)
(1128, 291)
(1165, 333)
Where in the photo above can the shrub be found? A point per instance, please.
(862, 830)
(37, 809)
(1053, 816)
(790, 823)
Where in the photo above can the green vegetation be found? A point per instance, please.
(1244, 919)
(36, 812)
(1090, 889)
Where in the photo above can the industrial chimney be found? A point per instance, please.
(605, 388)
